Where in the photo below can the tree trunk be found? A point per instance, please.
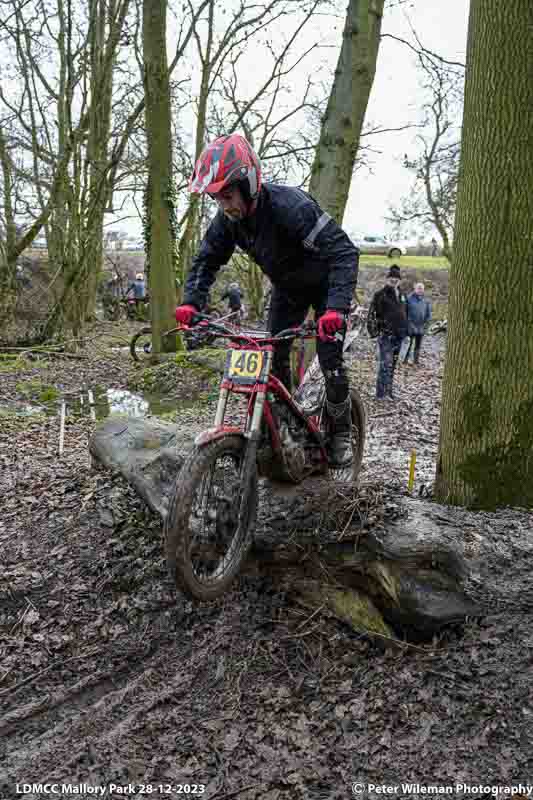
(8, 261)
(75, 226)
(162, 245)
(409, 575)
(255, 297)
(8, 287)
(100, 192)
(191, 235)
(486, 440)
(332, 170)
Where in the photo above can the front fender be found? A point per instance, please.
(211, 434)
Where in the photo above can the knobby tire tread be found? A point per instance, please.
(176, 524)
(359, 420)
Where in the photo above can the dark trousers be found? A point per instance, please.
(389, 350)
(416, 340)
(287, 311)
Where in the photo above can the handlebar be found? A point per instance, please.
(306, 330)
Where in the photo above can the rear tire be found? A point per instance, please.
(395, 253)
(358, 432)
(198, 475)
(351, 474)
(138, 349)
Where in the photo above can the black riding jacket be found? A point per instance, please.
(294, 242)
(388, 312)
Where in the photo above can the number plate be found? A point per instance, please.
(243, 366)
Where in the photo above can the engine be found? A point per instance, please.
(293, 452)
(298, 451)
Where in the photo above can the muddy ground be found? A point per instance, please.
(108, 677)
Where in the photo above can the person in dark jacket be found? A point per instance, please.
(309, 259)
(418, 315)
(234, 298)
(387, 317)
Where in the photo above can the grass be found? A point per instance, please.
(420, 262)
(13, 363)
(36, 390)
(13, 421)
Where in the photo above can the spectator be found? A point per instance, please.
(21, 276)
(418, 316)
(434, 247)
(233, 296)
(138, 287)
(387, 319)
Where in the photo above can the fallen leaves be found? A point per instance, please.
(106, 670)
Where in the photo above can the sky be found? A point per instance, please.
(395, 100)
(441, 26)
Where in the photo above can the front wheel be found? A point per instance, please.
(395, 253)
(211, 517)
(141, 345)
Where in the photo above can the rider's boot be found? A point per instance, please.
(340, 437)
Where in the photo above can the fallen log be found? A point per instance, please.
(406, 575)
(144, 452)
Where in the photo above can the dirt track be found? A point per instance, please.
(107, 677)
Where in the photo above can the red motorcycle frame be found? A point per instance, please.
(209, 527)
(258, 390)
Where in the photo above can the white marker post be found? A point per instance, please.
(91, 403)
(62, 415)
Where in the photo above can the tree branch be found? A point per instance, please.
(424, 51)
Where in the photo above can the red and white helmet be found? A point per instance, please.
(227, 160)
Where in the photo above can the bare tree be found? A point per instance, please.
(69, 112)
(222, 107)
(270, 115)
(63, 61)
(159, 222)
(343, 120)
(435, 168)
(486, 439)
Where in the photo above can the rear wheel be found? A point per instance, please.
(141, 345)
(358, 432)
(395, 253)
(351, 474)
(211, 518)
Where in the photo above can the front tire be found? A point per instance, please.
(208, 531)
(395, 253)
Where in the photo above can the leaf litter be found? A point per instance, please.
(106, 674)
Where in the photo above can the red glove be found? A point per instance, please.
(184, 314)
(329, 323)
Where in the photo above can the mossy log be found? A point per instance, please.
(409, 574)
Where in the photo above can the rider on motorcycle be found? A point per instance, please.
(309, 259)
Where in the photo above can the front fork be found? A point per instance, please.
(253, 424)
(252, 432)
